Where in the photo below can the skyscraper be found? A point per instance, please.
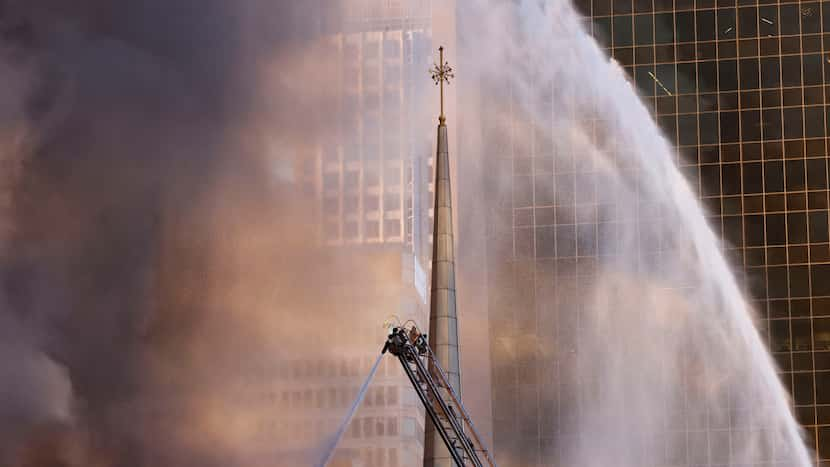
(370, 179)
(740, 89)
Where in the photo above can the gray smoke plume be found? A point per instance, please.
(148, 229)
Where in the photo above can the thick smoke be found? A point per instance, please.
(157, 247)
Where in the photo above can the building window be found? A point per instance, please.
(392, 395)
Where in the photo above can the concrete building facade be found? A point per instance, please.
(371, 179)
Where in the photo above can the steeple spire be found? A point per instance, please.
(443, 320)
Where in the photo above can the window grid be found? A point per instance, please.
(750, 151)
(789, 143)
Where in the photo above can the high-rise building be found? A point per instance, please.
(740, 88)
(741, 91)
(371, 178)
(370, 172)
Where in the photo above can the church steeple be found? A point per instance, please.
(443, 320)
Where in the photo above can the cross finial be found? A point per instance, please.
(441, 73)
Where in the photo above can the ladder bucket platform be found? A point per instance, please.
(442, 404)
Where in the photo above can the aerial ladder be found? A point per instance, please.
(442, 404)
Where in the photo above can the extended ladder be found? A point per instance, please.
(442, 404)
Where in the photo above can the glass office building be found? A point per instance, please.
(741, 90)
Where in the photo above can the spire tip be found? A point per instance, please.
(442, 73)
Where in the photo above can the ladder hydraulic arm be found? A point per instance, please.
(442, 404)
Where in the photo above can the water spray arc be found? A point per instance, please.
(612, 301)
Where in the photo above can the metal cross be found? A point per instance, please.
(441, 73)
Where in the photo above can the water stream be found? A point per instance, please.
(331, 445)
